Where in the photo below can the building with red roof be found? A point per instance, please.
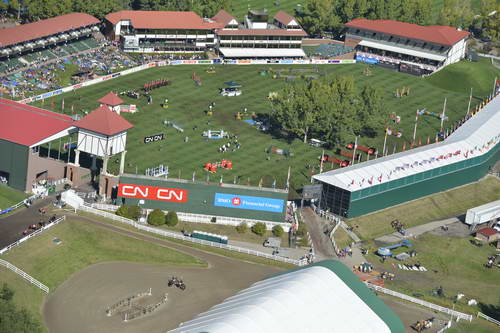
(488, 235)
(164, 31)
(112, 101)
(15, 39)
(28, 133)
(406, 47)
(103, 121)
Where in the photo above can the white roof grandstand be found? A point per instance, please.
(474, 138)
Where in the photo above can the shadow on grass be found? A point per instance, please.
(490, 310)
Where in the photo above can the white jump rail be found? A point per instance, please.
(33, 234)
(488, 318)
(190, 239)
(436, 307)
(24, 275)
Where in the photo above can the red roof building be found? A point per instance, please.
(284, 18)
(487, 232)
(104, 121)
(45, 28)
(224, 18)
(111, 99)
(438, 34)
(28, 125)
(141, 19)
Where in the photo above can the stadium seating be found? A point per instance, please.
(329, 50)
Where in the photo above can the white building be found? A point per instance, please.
(406, 47)
(325, 297)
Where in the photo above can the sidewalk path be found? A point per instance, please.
(323, 246)
(416, 231)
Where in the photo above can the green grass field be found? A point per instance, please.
(453, 263)
(476, 326)
(438, 206)
(10, 196)
(250, 163)
(82, 245)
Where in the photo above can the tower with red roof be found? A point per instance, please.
(112, 101)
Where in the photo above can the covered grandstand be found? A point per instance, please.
(41, 41)
(330, 50)
(323, 297)
(463, 157)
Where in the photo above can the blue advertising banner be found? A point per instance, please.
(249, 202)
(366, 59)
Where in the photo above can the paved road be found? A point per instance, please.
(416, 231)
(323, 246)
(12, 226)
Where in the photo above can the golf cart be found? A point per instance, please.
(232, 89)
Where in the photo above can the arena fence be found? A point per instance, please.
(488, 318)
(33, 234)
(439, 308)
(19, 204)
(200, 218)
(169, 234)
(25, 275)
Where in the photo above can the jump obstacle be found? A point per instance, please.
(212, 167)
(174, 125)
(155, 84)
(158, 171)
(220, 134)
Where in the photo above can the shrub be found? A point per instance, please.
(172, 219)
(242, 228)
(301, 230)
(278, 231)
(156, 217)
(259, 228)
(129, 212)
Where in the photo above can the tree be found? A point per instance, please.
(278, 231)
(259, 228)
(171, 219)
(12, 319)
(156, 217)
(97, 8)
(6, 293)
(242, 228)
(43, 9)
(129, 212)
(456, 13)
(319, 16)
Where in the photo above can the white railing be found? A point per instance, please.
(201, 218)
(169, 234)
(25, 275)
(421, 302)
(33, 234)
(448, 325)
(20, 203)
(488, 318)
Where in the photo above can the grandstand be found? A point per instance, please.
(44, 40)
(330, 50)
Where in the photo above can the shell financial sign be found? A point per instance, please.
(152, 193)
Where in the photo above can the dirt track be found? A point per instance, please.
(79, 304)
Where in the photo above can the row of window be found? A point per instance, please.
(239, 37)
(263, 46)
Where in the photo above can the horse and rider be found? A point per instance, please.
(176, 282)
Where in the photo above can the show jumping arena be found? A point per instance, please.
(80, 304)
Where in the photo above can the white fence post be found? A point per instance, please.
(488, 318)
(25, 275)
(165, 233)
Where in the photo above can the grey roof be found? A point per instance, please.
(475, 137)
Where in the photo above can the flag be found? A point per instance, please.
(260, 182)
(274, 183)
(371, 180)
(380, 178)
(62, 105)
(220, 182)
(194, 174)
(428, 139)
(352, 183)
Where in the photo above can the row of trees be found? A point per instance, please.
(335, 111)
(320, 16)
(33, 10)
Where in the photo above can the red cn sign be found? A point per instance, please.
(152, 192)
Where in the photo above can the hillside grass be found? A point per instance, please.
(438, 206)
(251, 164)
(464, 75)
(83, 244)
(10, 197)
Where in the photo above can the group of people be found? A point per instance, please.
(230, 146)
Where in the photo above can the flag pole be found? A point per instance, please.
(321, 162)
(415, 128)
(470, 100)
(494, 85)
(442, 116)
(385, 141)
(355, 146)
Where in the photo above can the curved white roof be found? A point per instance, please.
(474, 138)
(312, 299)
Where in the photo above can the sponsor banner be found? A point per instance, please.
(176, 62)
(77, 86)
(116, 75)
(152, 193)
(189, 62)
(204, 61)
(286, 61)
(231, 62)
(348, 61)
(162, 63)
(367, 60)
(154, 138)
(249, 202)
(244, 62)
(63, 90)
(217, 61)
(26, 100)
